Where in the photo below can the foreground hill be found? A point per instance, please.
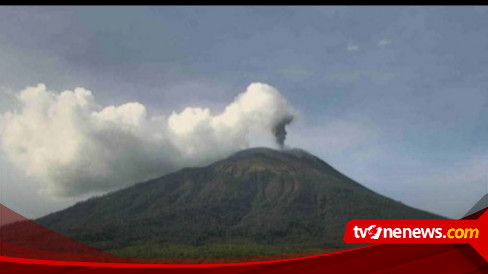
(257, 201)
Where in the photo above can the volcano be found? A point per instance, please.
(255, 202)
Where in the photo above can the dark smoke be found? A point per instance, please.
(279, 130)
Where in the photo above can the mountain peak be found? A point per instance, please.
(278, 160)
(269, 152)
(258, 197)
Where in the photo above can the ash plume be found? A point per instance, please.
(279, 130)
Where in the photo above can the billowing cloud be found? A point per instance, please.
(72, 145)
(352, 47)
(384, 42)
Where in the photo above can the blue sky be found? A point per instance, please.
(394, 97)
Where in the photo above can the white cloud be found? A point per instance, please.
(383, 42)
(74, 146)
(352, 47)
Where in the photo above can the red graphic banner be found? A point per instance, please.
(473, 232)
(35, 249)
